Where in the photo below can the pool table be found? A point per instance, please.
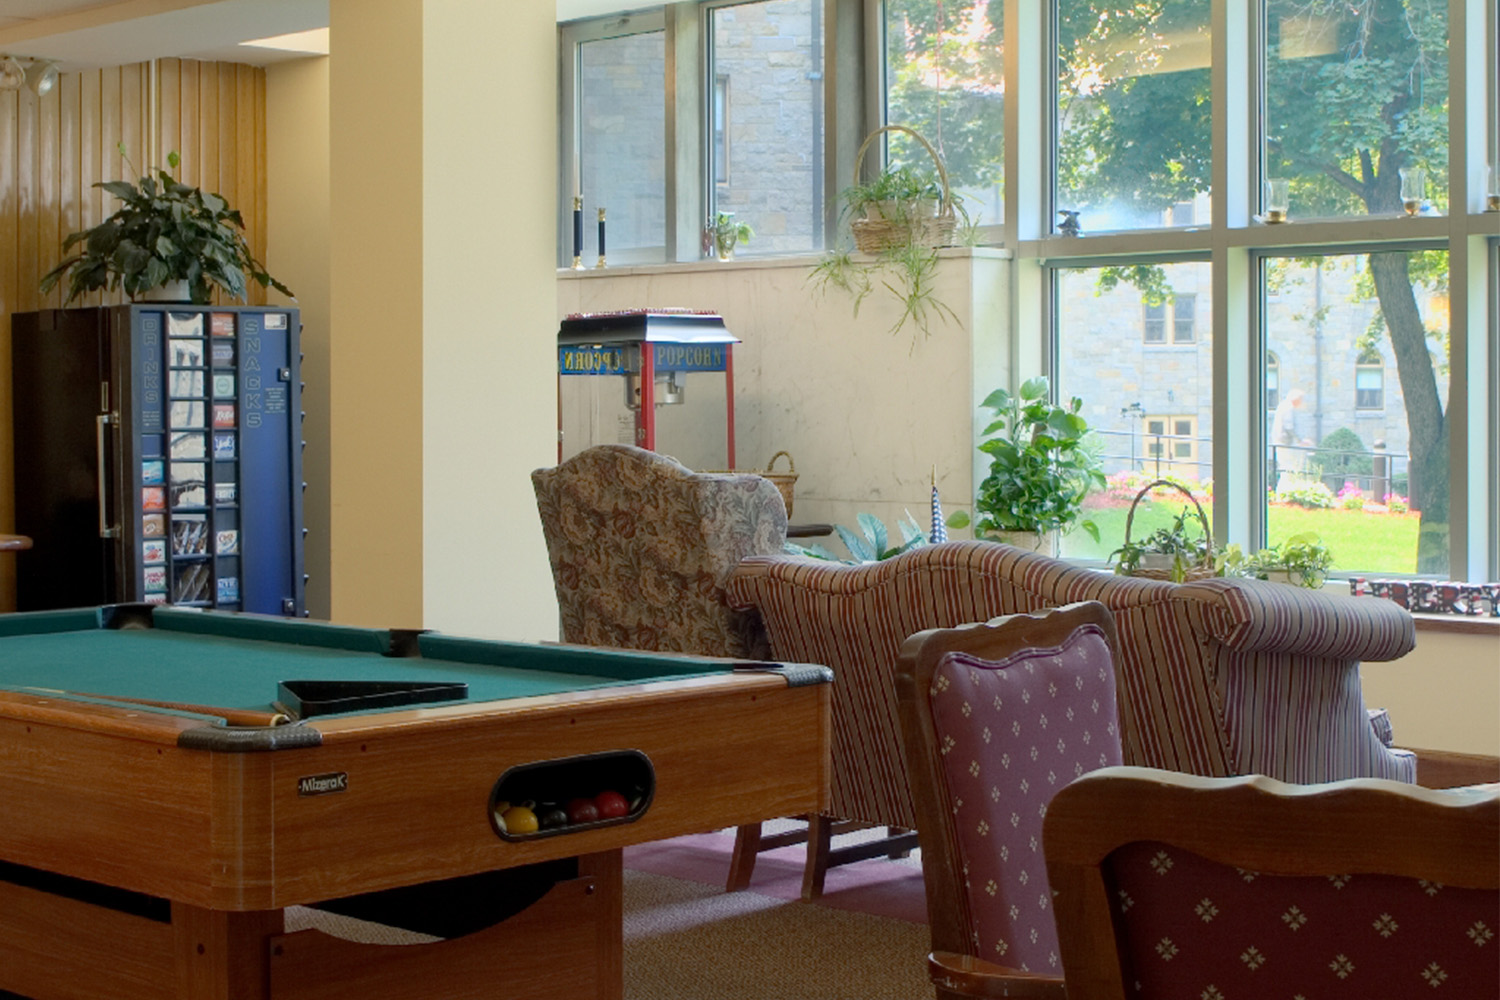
(164, 800)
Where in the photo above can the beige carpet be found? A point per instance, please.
(689, 941)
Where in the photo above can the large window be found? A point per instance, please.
(1363, 465)
(1133, 113)
(615, 154)
(1121, 153)
(766, 60)
(1147, 405)
(1356, 108)
(944, 77)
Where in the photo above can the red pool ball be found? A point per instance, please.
(611, 805)
(582, 811)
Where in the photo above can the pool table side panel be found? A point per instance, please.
(416, 804)
(55, 947)
(550, 951)
(123, 812)
(97, 716)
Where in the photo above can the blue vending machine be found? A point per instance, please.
(158, 457)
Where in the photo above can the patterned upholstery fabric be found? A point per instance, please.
(641, 548)
(1190, 927)
(1216, 677)
(1010, 734)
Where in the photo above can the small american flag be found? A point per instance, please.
(939, 529)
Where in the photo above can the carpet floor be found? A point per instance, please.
(865, 938)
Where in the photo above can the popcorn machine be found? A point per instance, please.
(666, 361)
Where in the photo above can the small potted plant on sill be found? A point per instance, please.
(1175, 553)
(164, 232)
(1301, 559)
(727, 232)
(1041, 468)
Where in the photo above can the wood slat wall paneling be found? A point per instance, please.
(54, 149)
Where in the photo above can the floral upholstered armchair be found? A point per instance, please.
(641, 548)
(1215, 677)
(1176, 885)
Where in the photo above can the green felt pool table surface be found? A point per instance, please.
(238, 662)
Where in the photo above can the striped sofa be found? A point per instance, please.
(1216, 677)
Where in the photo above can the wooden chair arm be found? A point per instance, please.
(974, 977)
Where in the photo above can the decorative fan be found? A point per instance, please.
(12, 74)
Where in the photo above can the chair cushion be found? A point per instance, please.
(1190, 927)
(1011, 733)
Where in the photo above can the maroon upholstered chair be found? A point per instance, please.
(997, 718)
(1172, 885)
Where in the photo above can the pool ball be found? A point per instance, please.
(520, 820)
(611, 805)
(582, 811)
(552, 817)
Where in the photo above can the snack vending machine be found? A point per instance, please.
(158, 457)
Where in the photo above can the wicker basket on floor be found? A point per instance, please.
(878, 235)
(1201, 570)
(785, 481)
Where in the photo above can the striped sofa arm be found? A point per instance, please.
(1258, 616)
(1286, 666)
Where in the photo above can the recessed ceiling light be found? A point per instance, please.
(314, 42)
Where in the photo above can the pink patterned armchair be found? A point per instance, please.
(997, 718)
(641, 547)
(1217, 888)
(1216, 677)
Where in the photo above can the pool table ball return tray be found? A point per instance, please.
(149, 847)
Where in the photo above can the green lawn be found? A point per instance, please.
(1360, 542)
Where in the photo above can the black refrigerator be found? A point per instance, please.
(158, 457)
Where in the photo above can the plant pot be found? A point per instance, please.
(1156, 561)
(1030, 541)
(724, 245)
(172, 291)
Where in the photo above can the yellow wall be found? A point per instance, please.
(1443, 695)
(443, 381)
(297, 253)
(54, 148)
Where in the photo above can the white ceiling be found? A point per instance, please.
(82, 34)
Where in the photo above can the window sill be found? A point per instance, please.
(1458, 624)
(752, 263)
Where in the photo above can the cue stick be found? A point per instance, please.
(233, 716)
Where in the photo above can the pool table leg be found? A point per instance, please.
(222, 955)
(607, 868)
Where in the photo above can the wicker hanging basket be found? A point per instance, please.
(784, 481)
(1201, 570)
(878, 235)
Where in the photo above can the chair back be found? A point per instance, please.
(997, 718)
(641, 547)
(1230, 887)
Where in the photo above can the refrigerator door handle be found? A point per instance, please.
(101, 422)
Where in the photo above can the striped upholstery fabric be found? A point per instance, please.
(1216, 677)
(641, 548)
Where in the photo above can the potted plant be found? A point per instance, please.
(1301, 559)
(896, 194)
(1175, 552)
(1041, 466)
(164, 231)
(727, 233)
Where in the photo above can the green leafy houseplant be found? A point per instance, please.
(1040, 466)
(874, 546)
(164, 231)
(1177, 548)
(1301, 559)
